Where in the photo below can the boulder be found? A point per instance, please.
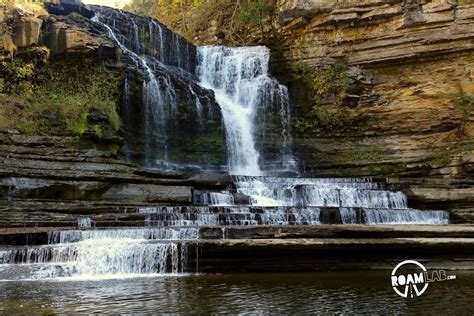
(289, 10)
(26, 31)
(149, 193)
(67, 38)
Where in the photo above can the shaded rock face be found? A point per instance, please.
(68, 7)
(146, 36)
(174, 122)
(56, 180)
(60, 36)
(191, 135)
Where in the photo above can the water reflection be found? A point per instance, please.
(255, 293)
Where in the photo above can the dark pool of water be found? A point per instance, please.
(305, 293)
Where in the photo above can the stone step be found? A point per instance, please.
(300, 254)
(59, 155)
(285, 255)
(314, 179)
(319, 233)
(103, 207)
(104, 215)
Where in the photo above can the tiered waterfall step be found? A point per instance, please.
(89, 253)
(321, 192)
(37, 214)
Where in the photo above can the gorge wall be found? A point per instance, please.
(64, 122)
(61, 43)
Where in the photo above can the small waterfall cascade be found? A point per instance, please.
(325, 201)
(96, 254)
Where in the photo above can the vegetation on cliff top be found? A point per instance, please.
(465, 103)
(237, 20)
(31, 7)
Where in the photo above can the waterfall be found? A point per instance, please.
(70, 236)
(153, 96)
(114, 257)
(84, 222)
(239, 78)
(375, 216)
(255, 109)
(246, 92)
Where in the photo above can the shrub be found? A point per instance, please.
(60, 96)
(324, 83)
(254, 11)
(465, 103)
(18, 75)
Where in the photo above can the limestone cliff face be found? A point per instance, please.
(416, 57)
(409, 61)
(370, 32)
(67, 35)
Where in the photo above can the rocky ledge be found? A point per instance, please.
(55, 173)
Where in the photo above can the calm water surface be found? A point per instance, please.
(304, 293)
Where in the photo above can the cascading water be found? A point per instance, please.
(246, 92)
(100, 254)
(153, 96)
(351, 201)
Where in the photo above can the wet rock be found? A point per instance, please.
(241, 199)
(65, 8)
(159, 173)
(211, 180)
(264, 255)
(97, 116)
(149, 193)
